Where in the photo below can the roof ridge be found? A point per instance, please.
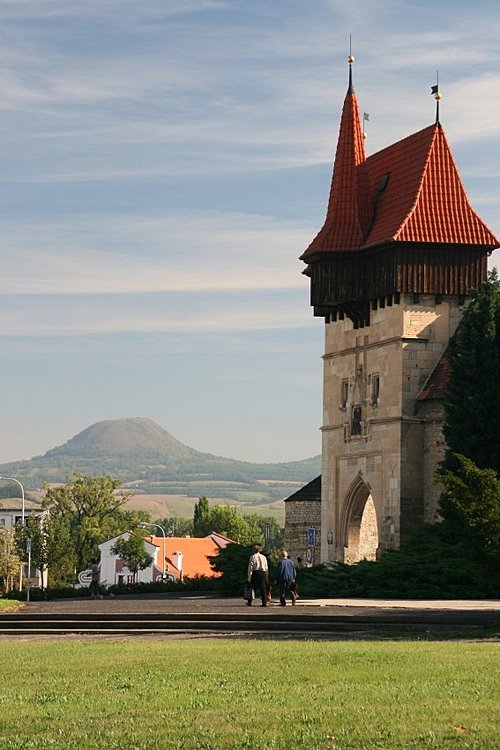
(435, 126)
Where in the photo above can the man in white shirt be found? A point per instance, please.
(257, 574)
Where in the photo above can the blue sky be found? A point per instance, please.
(164, 164)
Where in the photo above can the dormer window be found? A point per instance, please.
(383, 182)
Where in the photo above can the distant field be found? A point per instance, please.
(220, 694)
(182, 506)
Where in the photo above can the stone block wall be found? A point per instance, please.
(301, 515)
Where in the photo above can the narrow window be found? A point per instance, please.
(356, 421)
(375, 389)
(344, 393)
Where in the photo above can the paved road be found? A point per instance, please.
(168, 603)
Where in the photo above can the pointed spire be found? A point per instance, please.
(348, 215)
(350, 60)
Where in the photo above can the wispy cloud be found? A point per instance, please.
(125, 254)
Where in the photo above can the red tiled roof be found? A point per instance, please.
(425, 200)
(410, 191)
(348, 215)
(195, 553)
(437, 383)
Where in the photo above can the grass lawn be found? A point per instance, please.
(8, 604)
(210, 694)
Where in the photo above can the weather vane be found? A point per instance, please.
(437, 95)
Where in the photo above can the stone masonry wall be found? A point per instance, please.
(391, 455)
(299, 516)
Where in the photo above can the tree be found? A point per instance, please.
(228, 520)
(268, 531)
(472, 496)
(133, 552)
(85, 507)
(10, 562)
(176, 526)
(471, 500)
(472, 402)
(201, 518)
(34, 530)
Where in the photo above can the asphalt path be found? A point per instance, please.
(209, 604)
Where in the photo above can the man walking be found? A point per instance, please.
(257, 574)
(285, 578)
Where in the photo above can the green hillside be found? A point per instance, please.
(149, 459)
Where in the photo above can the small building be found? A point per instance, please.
(11, 510)
(11, 514)
(179, 557)
(302, 513)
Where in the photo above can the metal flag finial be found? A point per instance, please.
(350, 60)
(437, 96)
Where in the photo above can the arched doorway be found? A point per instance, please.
(359, 525)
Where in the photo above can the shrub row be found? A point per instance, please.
(188, 585)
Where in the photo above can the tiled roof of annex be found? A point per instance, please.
(435, 387)
(309, 492)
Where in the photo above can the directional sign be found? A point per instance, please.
(85, 578)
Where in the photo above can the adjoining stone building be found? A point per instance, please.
(390, 271)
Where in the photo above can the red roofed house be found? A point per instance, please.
(178, 557)
(390, 272)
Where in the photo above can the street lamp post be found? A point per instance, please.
(11, 479)
(157, 525)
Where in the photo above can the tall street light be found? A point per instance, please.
(157, 525)
(11, 479)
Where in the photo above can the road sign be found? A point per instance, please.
(311, 537)
(85, 578)
(28, 545)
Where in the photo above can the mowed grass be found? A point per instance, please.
(208, 694)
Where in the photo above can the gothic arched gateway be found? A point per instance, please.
(358, 524)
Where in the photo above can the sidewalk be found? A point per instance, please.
(203, 604)
(443, 604)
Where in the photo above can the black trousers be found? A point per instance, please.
(287, 587)
(259, 584)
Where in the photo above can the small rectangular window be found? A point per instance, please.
(375, 389)
(344, 393)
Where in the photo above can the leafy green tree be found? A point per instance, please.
(10, 562)
(133, 552)
(176, 526)
(201, 518)
(472, 496)
(267, 532)
(228, 520)
(34, 530)
(60, 551)
(85, 506)
(472, 402)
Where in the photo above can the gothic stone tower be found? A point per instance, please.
(390, 272)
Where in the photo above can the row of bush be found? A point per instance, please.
(188, 585)
(436, 563)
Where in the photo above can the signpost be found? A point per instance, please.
(28, 550)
